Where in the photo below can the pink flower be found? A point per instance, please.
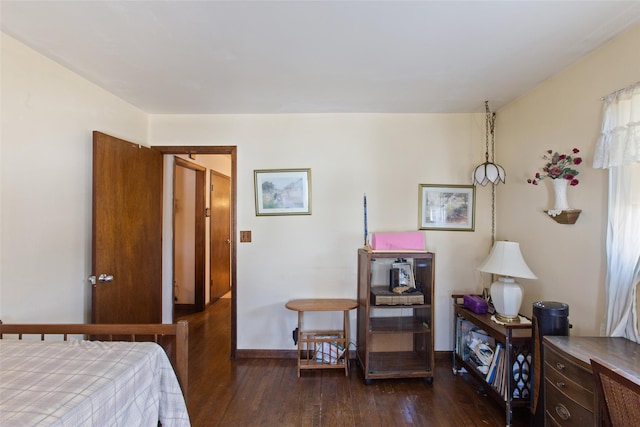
(555, 171)
(577, 161)
(575, 150)
(574, 182)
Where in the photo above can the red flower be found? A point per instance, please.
(558, 166)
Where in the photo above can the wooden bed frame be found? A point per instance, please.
(174, 338)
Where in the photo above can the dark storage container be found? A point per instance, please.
(552, 318)
(549, 318)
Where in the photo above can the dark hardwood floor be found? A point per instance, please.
(267, 392)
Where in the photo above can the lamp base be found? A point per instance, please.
(506, 295)
(507, 319)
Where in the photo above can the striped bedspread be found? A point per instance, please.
(88, 383)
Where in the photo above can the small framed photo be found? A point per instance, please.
(401, 274)
(283, 191)
(446, 207)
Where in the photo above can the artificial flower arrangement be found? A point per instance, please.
(559, 166)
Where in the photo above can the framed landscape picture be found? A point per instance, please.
(283, 191)
(446, 207)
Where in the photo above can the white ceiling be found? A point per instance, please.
(189, 57)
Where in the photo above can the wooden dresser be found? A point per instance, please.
(569, 386)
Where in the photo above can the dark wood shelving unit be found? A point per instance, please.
(393, 324)
(517, 341)
(395, 340)
(404, 364)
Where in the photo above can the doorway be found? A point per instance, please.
(188, 235)
(231, 152)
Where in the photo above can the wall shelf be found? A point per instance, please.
(569, 216)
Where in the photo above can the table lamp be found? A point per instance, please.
(505, 260)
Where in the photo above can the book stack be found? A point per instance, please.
(380, 295)
(491, 374)
(499, 372)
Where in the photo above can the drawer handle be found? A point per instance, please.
(560, 384)
(563, 412)
(560, 366)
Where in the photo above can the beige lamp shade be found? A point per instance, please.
(506, 259)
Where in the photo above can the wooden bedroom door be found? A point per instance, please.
(220, 259)
(127, 232)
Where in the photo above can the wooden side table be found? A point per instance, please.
(517, 341)
(328, 349)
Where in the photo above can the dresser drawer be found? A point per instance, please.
(563, 410)
(583, 396)
(569, 357)
(582, 377)
(549, 421)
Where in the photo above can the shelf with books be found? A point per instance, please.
(507, 372)
(497, 360)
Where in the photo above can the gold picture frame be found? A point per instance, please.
(446, 207)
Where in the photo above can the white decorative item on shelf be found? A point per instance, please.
(561, 169)
(560, 202)
(506, 261)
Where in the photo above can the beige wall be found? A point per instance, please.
(561, 113)
(48, 114)
(47, 118)
(385, 156)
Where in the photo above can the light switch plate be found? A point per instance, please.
(245, 236)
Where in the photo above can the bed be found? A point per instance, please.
(94, 374)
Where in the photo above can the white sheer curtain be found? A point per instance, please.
(618, 150)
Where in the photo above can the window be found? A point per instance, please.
(618, 150)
